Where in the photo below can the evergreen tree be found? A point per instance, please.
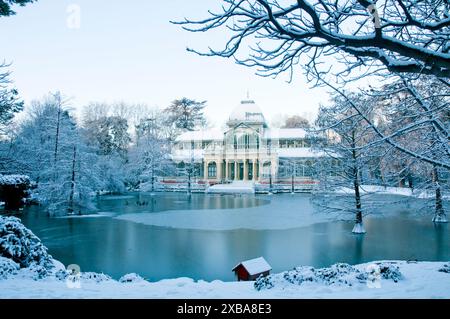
(186, 114)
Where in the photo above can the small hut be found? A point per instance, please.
(252, 269)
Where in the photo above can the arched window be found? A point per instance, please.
(212, 170)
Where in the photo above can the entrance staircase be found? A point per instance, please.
(236, 187)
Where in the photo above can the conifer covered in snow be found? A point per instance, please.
(20, 245)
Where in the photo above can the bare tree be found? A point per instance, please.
(398, 35)
(407, 38)
(150, 156)
(343, 136)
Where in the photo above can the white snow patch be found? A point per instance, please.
(255, 266)
(201, 135)
(239, 187)
(358, 229)
(299, 152)
(419, 280)
(98, 215)
(116, 197)
(440, 219)
(14, 179)
(367, 189)
(402, 191)
(283, 212)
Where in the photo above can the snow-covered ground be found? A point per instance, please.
(402, 191)
(239, 187)
(287, 211)
(414, 280)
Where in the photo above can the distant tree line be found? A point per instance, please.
(113, 147)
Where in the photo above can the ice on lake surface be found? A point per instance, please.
(283, 212)
(171, 235)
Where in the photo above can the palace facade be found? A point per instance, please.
(247, 150)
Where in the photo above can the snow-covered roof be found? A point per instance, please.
(14, 179)
(255, 266)
(246, 112)
(186, 155)
(201, 135)
(280, 133)
(299, 152)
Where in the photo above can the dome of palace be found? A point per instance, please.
(247, 112)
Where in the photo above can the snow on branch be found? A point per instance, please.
(401, 36)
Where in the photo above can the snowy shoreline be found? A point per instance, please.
(418, 280)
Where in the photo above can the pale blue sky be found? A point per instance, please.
(128, 51)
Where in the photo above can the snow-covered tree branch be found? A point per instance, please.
(398, 35)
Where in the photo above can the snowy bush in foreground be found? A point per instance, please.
(131, 278)
(95, 277)
(19, 244)
(390, 271)
(263, 282)
(337, 274)
(64, 274)
(445, 268)
(8, 268)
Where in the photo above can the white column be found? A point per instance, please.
(219, 169)
(226, 170)
(245, 171)
(205, 170)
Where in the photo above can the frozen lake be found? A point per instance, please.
(171, 235)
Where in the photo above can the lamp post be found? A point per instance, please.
(292, 180)
(270, 170)
(190, 170)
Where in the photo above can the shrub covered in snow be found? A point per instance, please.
(263, 282)
(95, 277)
(8, 268)
(19, 244)
(445, 268)
(337, 274)
(61, 274)
(299, 275)
(390, 271)
(131, 278)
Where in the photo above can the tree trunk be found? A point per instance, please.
(189, 182)
(358, 228)
(58, 120)
(153, 180)
(292, 184)
(410, 182)
(439, 215)
(72, 184)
